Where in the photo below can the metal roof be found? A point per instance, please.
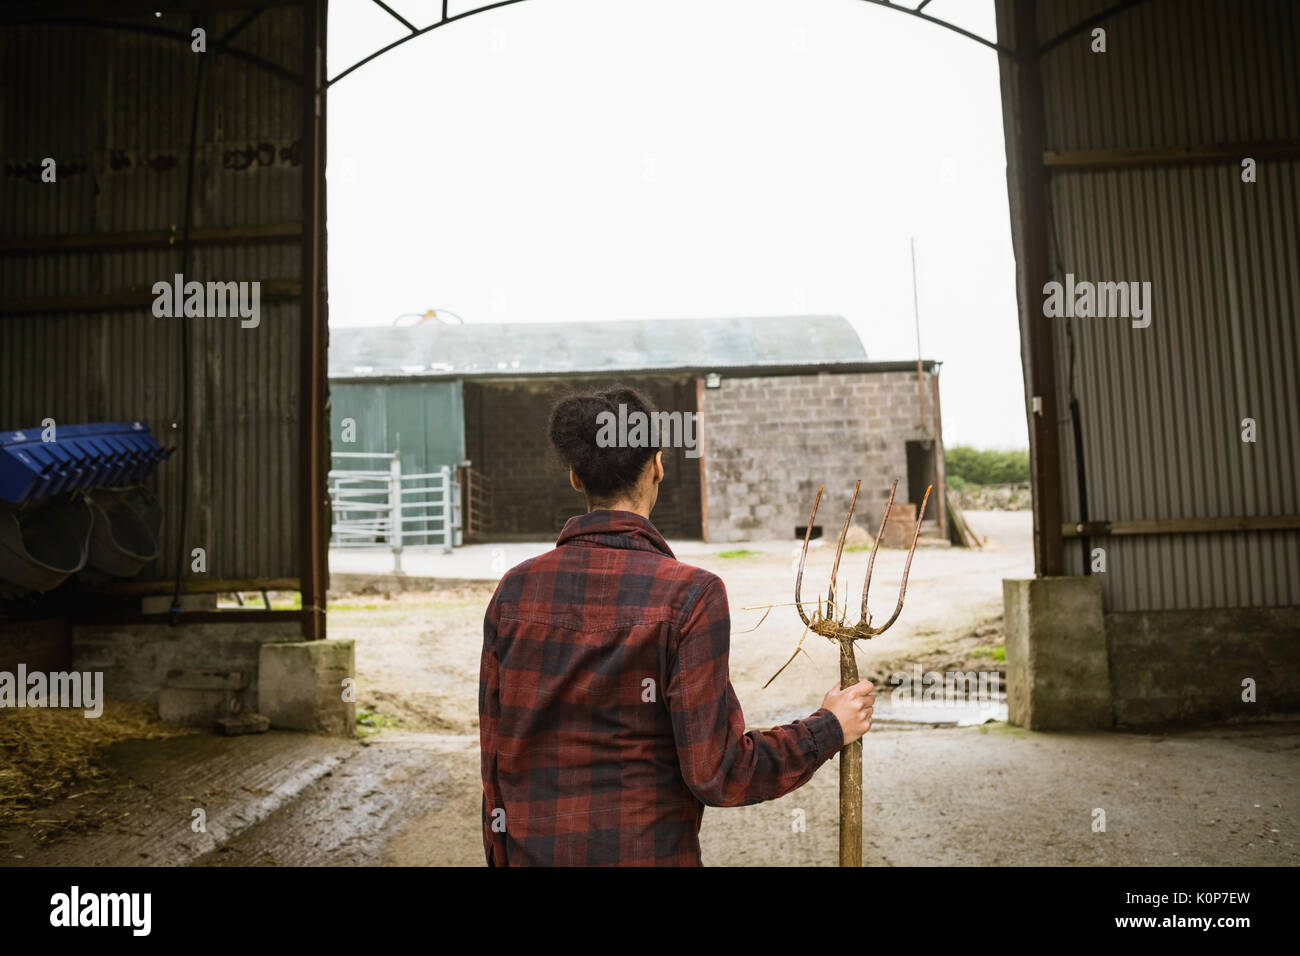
(585, 347)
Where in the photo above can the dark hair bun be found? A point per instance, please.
(604, 472)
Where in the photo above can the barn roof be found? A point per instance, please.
(542, 348)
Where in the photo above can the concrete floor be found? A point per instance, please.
(157, 785)
(990, 795)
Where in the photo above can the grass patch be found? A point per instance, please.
(739, 553)
(984, 466)
(371, 722)
(278, 600)
(998, 653)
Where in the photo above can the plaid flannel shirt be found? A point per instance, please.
(606, 715)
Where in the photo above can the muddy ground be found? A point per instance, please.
(409, 793)
(417, 653)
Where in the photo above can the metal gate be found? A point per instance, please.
(378, 508)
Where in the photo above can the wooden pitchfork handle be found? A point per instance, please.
(830, 626)
(850, 774)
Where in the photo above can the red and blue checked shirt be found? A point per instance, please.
(606, 714)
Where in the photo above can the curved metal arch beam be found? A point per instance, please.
(917, 12)
(448, 20)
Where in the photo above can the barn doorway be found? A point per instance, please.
(921, 465)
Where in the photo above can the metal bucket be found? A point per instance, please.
(41, 546)
(126, 532)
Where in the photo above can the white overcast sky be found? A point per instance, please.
(586, 160)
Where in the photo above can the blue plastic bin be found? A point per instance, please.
(83, 456)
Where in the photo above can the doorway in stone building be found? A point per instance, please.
(922, 471)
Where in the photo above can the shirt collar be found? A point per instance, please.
(615, 529)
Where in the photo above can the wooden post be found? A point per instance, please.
(313, 384)
(1034, 269)
(850, 774)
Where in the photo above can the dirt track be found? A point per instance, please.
(418, 653)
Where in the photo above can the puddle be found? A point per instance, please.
(967, 713)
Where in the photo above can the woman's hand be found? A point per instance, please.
(852, 708)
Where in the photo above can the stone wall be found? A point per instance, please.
(1072, 667)
(770, 441)
(139, 661)
(40, 645)
(1192, 666)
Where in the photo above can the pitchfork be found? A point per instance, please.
(836, 629)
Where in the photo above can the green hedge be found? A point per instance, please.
(985, 467)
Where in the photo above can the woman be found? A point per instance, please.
(607, 717)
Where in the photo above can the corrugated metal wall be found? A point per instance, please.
(118, 125)
(1161, 407)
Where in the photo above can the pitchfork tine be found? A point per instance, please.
(902, 590)
(839, 550)
(798, 581)
(871, 562)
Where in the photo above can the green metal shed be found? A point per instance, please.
(423, 421)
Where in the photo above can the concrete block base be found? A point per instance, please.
(243, 724)
(195, 707)
(1058, 675)
(300, 686)
(899, 527)
(1207, 665)
(138, 661)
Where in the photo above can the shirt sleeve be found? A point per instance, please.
(722, 764)
(489, 712)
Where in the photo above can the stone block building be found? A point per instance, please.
(773, 439)
(784, 404)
